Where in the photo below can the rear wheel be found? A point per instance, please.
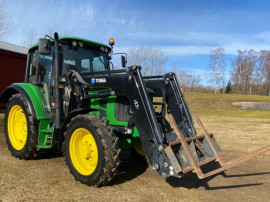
(91, 150)
(138, 153)
(19, 129)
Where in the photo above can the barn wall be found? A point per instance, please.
(12, 69)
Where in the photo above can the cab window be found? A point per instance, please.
(84, 60)
(40, 68)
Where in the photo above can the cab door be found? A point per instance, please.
(40, 73)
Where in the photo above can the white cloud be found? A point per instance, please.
(202, 43)
(231, 49)
(263, 36)
(189, 37)
(186, 50)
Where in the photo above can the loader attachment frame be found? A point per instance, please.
(175, 148)
(195, 166)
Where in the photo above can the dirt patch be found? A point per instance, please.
(253, 105)
(48, 179)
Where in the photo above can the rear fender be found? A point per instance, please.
(31, 96)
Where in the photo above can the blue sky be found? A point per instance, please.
(185, 30)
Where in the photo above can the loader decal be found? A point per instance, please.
(136, 104)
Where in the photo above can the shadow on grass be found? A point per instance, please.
(191, 181)
(244, 175)
(49, 154)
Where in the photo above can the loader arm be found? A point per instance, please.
(133, 87)
(179, 150)
(131, 84)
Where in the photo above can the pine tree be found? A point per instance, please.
(228, 88)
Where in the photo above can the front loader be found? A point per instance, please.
(73, 101)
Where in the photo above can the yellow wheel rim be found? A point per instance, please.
(17, 127)
(83, 151)
(139, 149)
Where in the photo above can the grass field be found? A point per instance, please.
(237, 132)
(221, 105)
(229, 123)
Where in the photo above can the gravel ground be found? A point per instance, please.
(48, 179)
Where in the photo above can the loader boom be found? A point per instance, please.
(168, 153)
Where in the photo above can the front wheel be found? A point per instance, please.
(92, 154)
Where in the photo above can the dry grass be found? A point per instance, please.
(2, 115)
(221, 105)
(237, 132)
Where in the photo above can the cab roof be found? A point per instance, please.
(71, 38)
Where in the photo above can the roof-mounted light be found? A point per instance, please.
(74, 44)
(80, 44)
(111, 41)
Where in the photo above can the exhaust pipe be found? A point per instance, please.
(56, 81)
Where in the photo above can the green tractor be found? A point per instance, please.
(73, 101)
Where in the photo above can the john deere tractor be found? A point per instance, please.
(73, 101)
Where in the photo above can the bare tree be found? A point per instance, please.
(31, 38)
(51, 30)
(243, 71)
(34, 34)
(5, 22)
(188, 82)
(151, 59)
(194, 81)
(54, 28)
(237, 70)
(175, 67)
(217, 67)
(264, 70)
(258, 81)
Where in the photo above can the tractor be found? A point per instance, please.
(73, 101)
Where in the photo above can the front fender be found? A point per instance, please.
(63, 129)
(31, 95)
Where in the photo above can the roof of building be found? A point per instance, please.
(13, 48)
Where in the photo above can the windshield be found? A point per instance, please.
(83, 60)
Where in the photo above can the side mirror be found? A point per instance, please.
(124, 61)
(44, 46)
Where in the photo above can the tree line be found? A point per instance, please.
(249, 74)
(249, 70)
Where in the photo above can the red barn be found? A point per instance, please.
(12, 65)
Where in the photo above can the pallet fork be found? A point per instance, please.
(200, 142)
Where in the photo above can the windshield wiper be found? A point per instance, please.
(101, 61)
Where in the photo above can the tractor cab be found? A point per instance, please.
(82, 56)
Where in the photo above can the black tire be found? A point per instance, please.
(102, 136)
(25, 149)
